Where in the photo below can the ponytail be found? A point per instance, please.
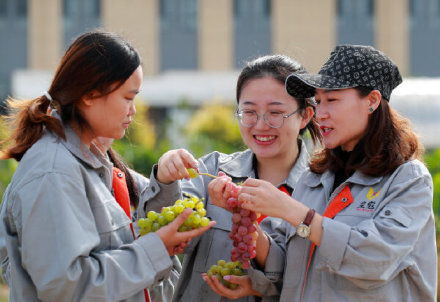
(29, 119)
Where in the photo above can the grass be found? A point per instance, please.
(4, 291)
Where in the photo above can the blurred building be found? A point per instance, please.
(197, 46)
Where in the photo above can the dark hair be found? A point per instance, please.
(95, 61)
(278, 67)
(388, 143)
(133, 190)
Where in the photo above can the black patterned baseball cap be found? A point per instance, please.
(349, 66)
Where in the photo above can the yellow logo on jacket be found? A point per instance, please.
(371, 194)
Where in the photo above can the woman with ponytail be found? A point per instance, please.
(65, 237)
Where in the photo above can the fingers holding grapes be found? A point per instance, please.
(218, 190)
(262, 197)
(241, 286)
(173, 165)
(176, 241)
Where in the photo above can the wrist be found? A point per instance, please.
(296, 213)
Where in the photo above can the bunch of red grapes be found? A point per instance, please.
(243, 232)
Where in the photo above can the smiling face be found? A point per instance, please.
(110, 115)
(342, 116)
(269, 95)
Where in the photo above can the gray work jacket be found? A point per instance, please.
(215, 243)
(65, 236)
(379, 248)
(163, 291)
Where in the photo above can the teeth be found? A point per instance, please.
(264, 138)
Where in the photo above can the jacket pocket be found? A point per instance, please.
(112, 224)
(396, 215)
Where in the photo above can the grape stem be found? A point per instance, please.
(207, 174)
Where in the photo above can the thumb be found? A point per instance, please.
(240, 280)
(181, 218)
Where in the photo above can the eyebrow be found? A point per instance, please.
(271, 103)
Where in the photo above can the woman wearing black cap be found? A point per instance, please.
(360, 225)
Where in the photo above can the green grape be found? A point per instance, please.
(196, 219)
(162, 220)
(202, 212)
(236, 272)
(143, 232)
(223, 268)
(155, 226)
(192, 173)
(178, 208)
(188, 222)
(155, 221)
(165, 209)
(169, 216)
(142, 222)
(215, 269)
(152, 215)
(225, 271)
(200, 205)
(204, 221)
(189, 203)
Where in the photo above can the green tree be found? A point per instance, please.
(213, 127)
(7, 167)
(432, 160)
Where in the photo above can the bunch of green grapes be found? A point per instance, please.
(196, 219)
(223, 268)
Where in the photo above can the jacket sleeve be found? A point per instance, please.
(377, 249)
(153, 195)
(4, 258)
(268, 281)
(164, 291)
(60, 246)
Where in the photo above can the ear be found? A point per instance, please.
(87, 99)
(374, 98)
(307, 115)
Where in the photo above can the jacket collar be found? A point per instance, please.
(80, 150)
(241, 165)
(238, 165)
(327, 179)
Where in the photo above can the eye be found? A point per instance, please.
(275, 113)
(317, 101)
(247, 112)
(129, 99)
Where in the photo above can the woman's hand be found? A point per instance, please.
(174, 241)
(219, 190)
(262, 197)
(172, 165)
(244, 286)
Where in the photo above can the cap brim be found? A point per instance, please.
(303, 85)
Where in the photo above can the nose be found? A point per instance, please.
(132, 110)
(321, 113)
(261, 124)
